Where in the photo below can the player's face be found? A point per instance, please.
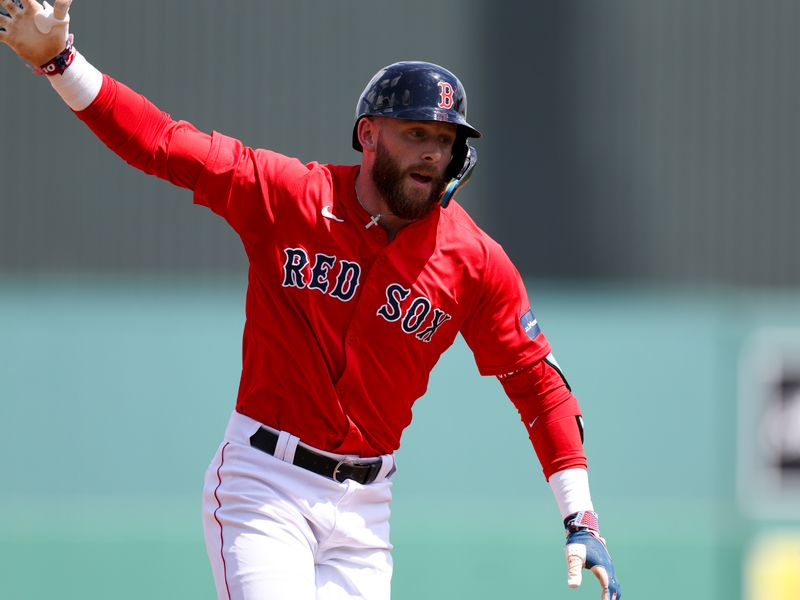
(410, 162)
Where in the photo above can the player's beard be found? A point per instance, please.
(390, 179)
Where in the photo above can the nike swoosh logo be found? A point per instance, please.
(326, 212)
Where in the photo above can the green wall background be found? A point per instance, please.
(115, 393)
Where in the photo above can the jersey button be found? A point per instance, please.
(352, 342)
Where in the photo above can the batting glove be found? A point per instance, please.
(586, 549)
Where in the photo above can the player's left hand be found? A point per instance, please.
(586, 549)
(36, 33)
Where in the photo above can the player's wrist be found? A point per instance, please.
(570, 488)
(584, 520)
(79, 84)
(60, 62)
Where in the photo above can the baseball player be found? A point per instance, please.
(360, 277)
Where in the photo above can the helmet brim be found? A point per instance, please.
(465, 129)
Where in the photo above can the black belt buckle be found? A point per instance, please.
(339, 470)
(368, 471)
(339, 465)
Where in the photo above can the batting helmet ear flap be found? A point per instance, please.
(459, 154)
(461, 178)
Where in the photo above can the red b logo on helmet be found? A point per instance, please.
(445, 95)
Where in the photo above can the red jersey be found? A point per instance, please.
(343, 326)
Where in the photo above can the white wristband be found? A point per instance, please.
(79, 85)
(571, 490)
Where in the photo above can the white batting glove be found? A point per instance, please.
(35, 32)
(586, 549)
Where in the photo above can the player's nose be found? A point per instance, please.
(434, 152)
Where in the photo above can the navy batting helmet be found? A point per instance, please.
(422, 91)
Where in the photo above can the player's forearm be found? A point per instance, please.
(132, 126)
(551, 415)
(571, 490)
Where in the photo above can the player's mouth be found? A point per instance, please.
(421, 178)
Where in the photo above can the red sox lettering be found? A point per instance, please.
(344, 285)
(412, 318)
(299, 272)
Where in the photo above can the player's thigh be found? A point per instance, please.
(356, 561)
(266, 561)
(363, 574)
(258, 546)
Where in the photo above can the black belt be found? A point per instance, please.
(338, 470)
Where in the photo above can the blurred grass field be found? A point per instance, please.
(115, 394)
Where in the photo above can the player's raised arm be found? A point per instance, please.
(37, 33)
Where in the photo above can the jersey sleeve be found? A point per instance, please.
(501, 329)
(144, 136)
(248, 187)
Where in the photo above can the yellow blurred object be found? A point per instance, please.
(773, 568)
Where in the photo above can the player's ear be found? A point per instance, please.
(368, 132)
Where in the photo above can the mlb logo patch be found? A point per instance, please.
(529, 324)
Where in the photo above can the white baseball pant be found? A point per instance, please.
(274, 530)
